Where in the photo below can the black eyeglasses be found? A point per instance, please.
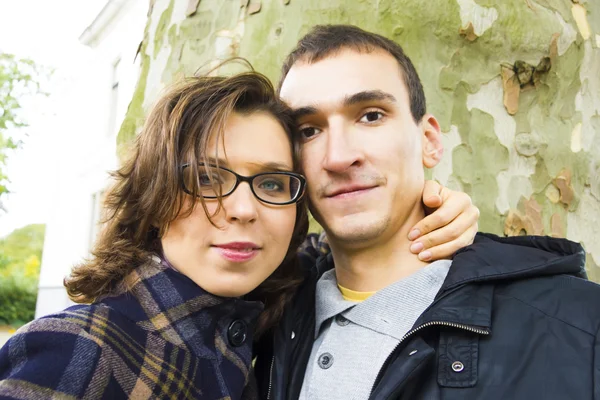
(279, 188)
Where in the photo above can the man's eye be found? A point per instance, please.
(371, 116)
(308, 132)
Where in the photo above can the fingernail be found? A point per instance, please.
(415, 233)
(416, 247)
(425, 255)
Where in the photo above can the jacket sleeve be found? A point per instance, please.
(48, 358)
(596, 367)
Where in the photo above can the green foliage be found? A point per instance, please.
(24, 242)
(18, 78)
(17, 300)
(20, 259)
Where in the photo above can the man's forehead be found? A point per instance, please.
(339, 76)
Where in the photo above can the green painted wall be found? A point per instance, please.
(516, 90)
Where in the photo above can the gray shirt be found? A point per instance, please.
(353, 340)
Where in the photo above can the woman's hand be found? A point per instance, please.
(451, 225)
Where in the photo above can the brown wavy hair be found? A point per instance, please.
(147, 195)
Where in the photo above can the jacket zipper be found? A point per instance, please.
(411, 332)
(270, 377)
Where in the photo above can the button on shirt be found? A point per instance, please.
(353, 340)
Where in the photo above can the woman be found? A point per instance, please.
(201, 232)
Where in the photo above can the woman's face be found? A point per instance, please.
(251, 238)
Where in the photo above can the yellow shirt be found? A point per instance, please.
(351, 295)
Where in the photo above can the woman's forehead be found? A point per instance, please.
(252, 141)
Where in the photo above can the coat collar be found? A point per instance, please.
(161, 300)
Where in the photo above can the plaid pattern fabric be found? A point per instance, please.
(314, 246)
(165, 338)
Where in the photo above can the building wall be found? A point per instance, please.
(83, 174)
(516, 90)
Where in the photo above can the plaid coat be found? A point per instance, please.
(165, 338)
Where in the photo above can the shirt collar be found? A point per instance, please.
(328, 300)
(381, 312)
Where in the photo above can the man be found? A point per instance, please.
(507, 318)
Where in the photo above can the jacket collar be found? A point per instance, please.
(491, 259)
(159, 299)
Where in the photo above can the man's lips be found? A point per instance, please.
(344, 191)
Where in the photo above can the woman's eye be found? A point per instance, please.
(372, 116)
(204, 180)
(207, 180)
(271, 185)
(309, 132)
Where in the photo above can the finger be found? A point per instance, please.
(447, 250)
(455, 205)
(431, 194)
(446, 234)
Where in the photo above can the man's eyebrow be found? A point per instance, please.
(368, 95)
(350, 100)
(303, 112)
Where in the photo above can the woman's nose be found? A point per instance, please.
(241, 205)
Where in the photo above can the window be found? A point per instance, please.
(114, 97)
(96, 214)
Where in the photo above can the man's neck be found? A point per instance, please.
(375, 266)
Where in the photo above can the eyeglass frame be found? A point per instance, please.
(248, 179)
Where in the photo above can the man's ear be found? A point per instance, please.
(433, 148)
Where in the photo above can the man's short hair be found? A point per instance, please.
(325, 40)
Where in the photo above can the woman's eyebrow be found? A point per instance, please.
(214, 161)
(272, 166)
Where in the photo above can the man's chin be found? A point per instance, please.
(354, 231)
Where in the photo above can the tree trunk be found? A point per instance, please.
(516, 90)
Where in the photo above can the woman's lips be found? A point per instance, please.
(238, 251)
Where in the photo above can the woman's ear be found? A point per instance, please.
(433, 148)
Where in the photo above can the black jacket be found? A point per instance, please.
(514, 319)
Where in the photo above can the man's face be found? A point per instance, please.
(362, 152)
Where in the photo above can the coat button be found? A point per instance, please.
(457, 366)
(341, 320)
(237, 333)
(325, 360)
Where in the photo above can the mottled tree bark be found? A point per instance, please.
(516, 89)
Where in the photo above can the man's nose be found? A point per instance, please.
(342, 151)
